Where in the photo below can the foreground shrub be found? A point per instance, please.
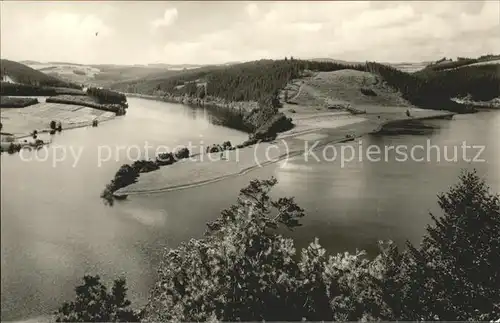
(244, 270)
(458, 261)
(212, 276)
(95, 304)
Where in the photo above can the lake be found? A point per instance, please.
(55, 228)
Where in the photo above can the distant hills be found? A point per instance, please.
(152, 65)
(29, 62)
(448, 64)
(14, 72)
(438, 65)
(174, 66)
(93, 75)
(140, 74)
(105, 74)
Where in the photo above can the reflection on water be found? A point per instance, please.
(354, 206)
(55, 228)
(147, 217)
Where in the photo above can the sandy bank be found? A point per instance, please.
(209, 168)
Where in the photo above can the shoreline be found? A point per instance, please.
(68, 127)
(182, 177)
(230, 114)
(209, 102)
(17, 139)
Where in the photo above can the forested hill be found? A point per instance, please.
(250, 81)
(433, 89)
(445, 64)
(20, 73)
(261, 80)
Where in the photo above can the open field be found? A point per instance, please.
(22, 121)
(72, 73)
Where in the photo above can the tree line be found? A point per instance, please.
(106, 96)
(7, 88)
(243, 269)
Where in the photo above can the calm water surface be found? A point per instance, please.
(55, 228)
(54, 225)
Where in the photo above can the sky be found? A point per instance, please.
(210, 32)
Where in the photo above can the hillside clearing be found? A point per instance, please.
(341, 89)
